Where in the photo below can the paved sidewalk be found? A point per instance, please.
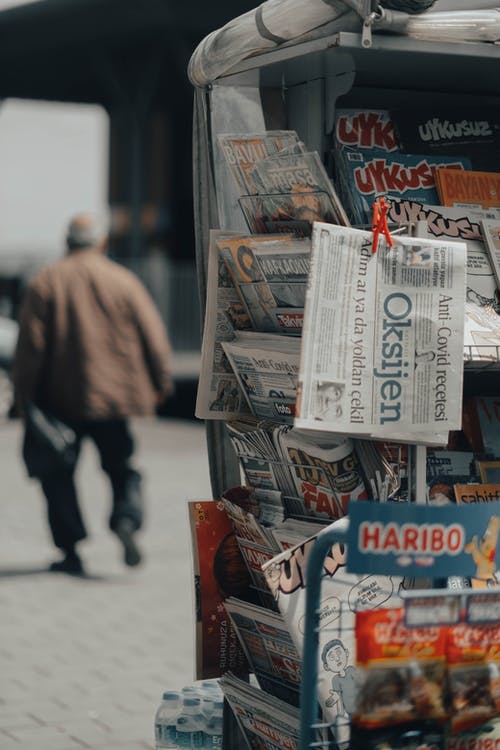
(83, 662)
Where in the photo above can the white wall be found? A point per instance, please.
(53, 163)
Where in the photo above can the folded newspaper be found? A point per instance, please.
(269, 648)
(267, 723)
(270, 275)
(382, 344)
(266, 366)
(315, 475)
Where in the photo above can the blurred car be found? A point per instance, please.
(8, 338)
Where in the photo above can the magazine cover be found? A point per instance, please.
(372, 174)
(219, 571)
(286, 213)
(325, 473)
(365, 129)
(450, 130)
(300, 177)
(455, 223)
(243, 150)
(481, 189)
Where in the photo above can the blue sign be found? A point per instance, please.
(425, 541)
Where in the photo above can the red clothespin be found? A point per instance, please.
(375, 226)
(379, 223)
(384, 209)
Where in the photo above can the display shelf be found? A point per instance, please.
(392, 61)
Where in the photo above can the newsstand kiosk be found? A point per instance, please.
(286, 66)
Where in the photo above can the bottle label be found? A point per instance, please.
(190, 739)
(213, 740)
(165, 735)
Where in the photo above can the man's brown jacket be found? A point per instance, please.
(91, 342)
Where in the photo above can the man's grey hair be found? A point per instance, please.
(85, 231)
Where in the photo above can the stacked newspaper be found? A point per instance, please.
(389, 362)
(316, 476)
(254, 282)
(266, 367)
(269, 648)
(260, 540)
(219, 395)
(266, 722)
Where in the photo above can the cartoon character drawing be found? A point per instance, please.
(483, 551)
(345, 680)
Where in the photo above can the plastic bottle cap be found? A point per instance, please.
(170, 696)
(191, 701)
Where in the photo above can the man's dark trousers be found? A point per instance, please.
(115, 445)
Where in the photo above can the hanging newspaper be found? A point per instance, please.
(389, 360)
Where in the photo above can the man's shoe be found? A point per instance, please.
(125, 530)
(70, 564)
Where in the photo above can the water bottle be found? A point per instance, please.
(212, 736)
(213, 688)
(190, 724)
(207, 703)
(165, 720)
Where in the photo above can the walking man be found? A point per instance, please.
(92, 351)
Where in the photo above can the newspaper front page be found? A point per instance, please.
(266, 366)
(382, 346)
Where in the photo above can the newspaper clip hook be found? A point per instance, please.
(379, 223)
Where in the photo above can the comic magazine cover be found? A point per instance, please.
(449, 131)
(219, 571)
(454, 223)
(372, 174)
(365, 129)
